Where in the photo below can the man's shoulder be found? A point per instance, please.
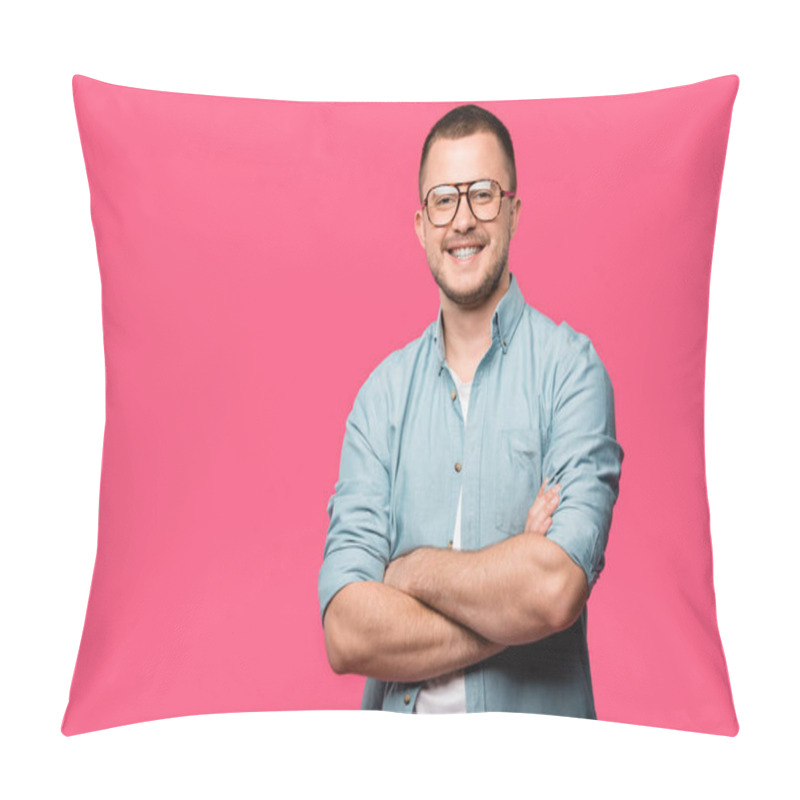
(397, 369)
(566, 357)
(556, 340)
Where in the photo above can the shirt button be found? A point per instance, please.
(407, 698)
(458, 466)
(504, 343)
(453, 394)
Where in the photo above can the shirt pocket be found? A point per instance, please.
(518, 475)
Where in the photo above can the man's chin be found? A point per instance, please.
(470, 297)
(464, 299)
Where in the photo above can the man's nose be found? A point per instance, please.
(464, 219)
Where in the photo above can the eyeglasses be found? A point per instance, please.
(484, 197)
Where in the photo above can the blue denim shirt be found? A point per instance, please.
(541, 405)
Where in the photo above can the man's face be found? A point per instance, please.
(468, 258)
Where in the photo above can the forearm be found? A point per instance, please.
(514, 592)
(376, 630)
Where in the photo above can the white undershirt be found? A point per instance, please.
(447, 694)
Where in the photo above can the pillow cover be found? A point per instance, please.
(258, 260)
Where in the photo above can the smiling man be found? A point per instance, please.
(454, 577)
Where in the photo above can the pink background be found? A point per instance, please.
(258, 259)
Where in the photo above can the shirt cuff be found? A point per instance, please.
(347, 566)
(581, 539)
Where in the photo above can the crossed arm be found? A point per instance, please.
(441, 610)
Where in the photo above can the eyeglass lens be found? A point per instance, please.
(483, 196)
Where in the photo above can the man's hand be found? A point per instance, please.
(400, 572)
(540, 514)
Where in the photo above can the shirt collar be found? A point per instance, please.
(505, 319)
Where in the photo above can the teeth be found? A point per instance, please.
(465, 252)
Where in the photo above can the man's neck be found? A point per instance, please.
(468, 332)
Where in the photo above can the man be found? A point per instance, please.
(447, 579)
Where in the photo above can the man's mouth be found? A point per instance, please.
(462, 252)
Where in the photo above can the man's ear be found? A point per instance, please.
(516, 204)
(419, 226)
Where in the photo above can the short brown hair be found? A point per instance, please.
(464, 121)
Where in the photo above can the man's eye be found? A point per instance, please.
(483, 196)
(444, 201)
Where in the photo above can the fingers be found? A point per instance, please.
(546, 500)
(542, 487)
(540, 513)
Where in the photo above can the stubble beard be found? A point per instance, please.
(482, 292)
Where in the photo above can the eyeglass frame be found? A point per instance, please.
(465, 193)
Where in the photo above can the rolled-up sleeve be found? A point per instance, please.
(357, 547)
(583, 455)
